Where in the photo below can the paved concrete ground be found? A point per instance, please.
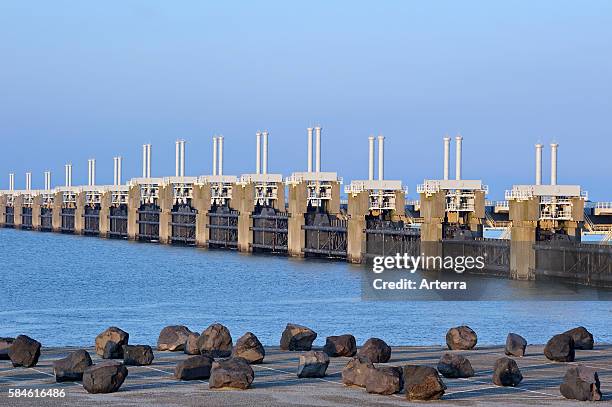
(277, 385)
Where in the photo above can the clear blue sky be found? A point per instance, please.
(81, 79)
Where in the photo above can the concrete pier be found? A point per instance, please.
(18, 207)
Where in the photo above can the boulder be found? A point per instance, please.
(560, 348)
(343, 345)
(215, 341)
(234, 373)
(172, 338)
(313, 364)
(109, 344)
(356, 371)
(194, 368)
(384, 380)
(5, 344)
(297, 338)
(455, 366)
(249, 348)
(191, 344)
(515, 345)
(422, 383)
(71, 368)
(583, 339)
(581, 383)
(506, 372)
(461, 338)
(376, 350)
(137, 355)
(24, 351)
(105, 377)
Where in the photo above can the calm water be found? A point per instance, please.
(64, 290)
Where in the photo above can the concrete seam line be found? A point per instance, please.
(512, 387)
(284, 371)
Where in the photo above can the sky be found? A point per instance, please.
(82, 80)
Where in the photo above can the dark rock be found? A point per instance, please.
(194, 368)
(105, 377)
(71, 368)
(24, 351)
(461, 338)
(581, 383)
(506, 372)
(356, 371)
(422, 383)
(172, 338)
(515, 345)
(384, 380)
(137, 355)
(191, 344)
(249, 348)
(235, 373)
(109, 344)
(376, 350)
(583, 339)
(313, 364)
(297, 338)
(215, 341)
(343, 345)
(560, 348)
(5, 344)
(455, 366)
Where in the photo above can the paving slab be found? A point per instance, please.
(276, 383)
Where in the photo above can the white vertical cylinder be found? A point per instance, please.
(66, 175)
(11, 182)
(446, 157)
(119, 163)
(93, 171)
(114, 170)
(28, 181)
(89, 172)
(182, 158)
(258, 153)
(264, 161)
(538, 164)
(220, 155)
(458, 141)
(144, 161)
(318, 149)
(371, 158)
(214, 155)
(553, 163)
(309, 149)
(381, 157)
(177, 158)
(148, 160)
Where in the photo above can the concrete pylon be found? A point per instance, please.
(105, 204)
(79, 213)
(358, 208)
(133, 206)
(296, 236)
(201, 202)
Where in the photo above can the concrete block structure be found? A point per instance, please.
(315, 226)
(372, 205)
(542, 213)
(451, 208)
